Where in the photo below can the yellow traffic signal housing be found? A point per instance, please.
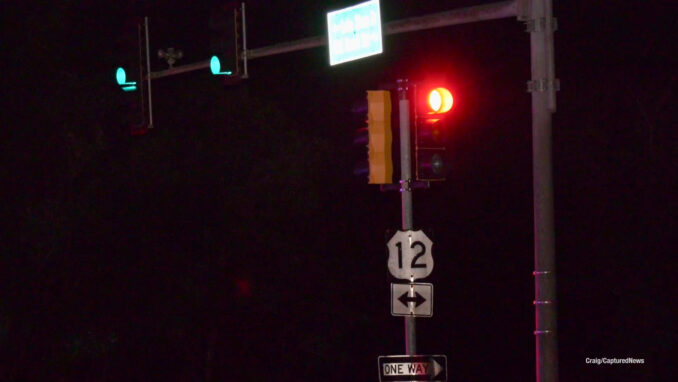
(380, 137)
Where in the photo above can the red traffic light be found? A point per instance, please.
(440, 101)
(431, 125)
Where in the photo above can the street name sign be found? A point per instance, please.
(409, 255)
(413, 368)
(414, 299)
(354, 32)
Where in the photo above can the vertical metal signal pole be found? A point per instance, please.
(406, 194)
(148, 71)
(244, 41)
(543, 85)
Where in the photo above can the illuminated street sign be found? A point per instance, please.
(354, 32)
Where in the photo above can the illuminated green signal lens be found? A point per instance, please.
(121, 78)
(215, 67)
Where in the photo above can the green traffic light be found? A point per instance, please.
(215, 67)
(121, 78)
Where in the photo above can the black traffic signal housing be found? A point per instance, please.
(224, 24)
(431, 125)
(132, 82)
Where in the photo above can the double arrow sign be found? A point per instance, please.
(414, 299)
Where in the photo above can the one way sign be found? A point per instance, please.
(413, 368)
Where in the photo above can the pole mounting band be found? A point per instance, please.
(403, 87)
(543, 84)
(541, 273)
(542, 302)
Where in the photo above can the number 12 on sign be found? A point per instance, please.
(410, 255)
(421, 251)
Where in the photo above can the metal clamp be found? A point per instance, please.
(542, 302)
(406, 185)
(403, 87)
(541, 273)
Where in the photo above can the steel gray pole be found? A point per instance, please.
(543, 86)
(148, 70)
(244, 42)
(406, 194)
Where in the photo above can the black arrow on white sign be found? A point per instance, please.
(417, 299)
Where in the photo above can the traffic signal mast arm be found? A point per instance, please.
(498, 10)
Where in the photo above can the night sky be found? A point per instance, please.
(234, 243)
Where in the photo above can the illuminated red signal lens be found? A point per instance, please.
(440, 100)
